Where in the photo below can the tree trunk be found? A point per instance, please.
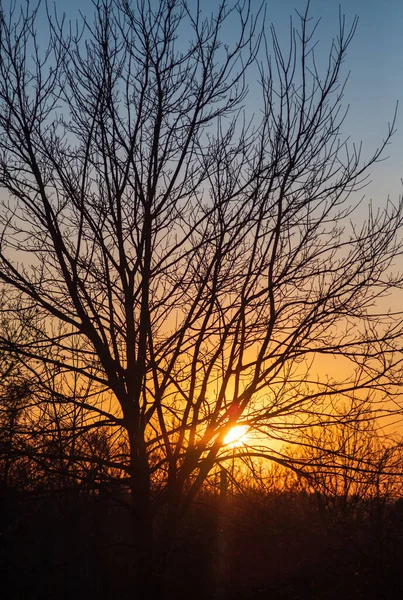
(152, 547)
(142, 522)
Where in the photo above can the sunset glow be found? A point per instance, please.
(236, 436)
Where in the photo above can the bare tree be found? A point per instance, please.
(200, 256)
(349, 464)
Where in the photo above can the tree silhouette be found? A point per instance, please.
(187, 258)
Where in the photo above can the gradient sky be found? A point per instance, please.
(375, 60)
(375, 63)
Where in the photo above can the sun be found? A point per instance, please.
(236, 436)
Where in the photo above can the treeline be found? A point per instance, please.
(323, 521)
(287, 543)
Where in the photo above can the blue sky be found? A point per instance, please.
(375, 60)
(375, 63)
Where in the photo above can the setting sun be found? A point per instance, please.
(236, 436)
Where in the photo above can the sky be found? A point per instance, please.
(374, 60)
(375, 63)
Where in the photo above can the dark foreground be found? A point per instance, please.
(277, 546)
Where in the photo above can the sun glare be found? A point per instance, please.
(236, 436)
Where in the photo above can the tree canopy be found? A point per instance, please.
(180, 263)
